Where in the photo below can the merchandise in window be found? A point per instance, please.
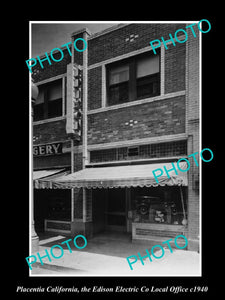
(162, 206)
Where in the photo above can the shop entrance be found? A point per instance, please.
(116, 210)
(109, 210)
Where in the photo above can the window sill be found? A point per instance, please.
(49, 120)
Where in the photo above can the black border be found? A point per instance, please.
(20, 149)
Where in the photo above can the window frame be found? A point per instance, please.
(132, 83)
(46, 103)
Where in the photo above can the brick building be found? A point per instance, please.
(140, 112)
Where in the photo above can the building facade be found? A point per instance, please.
(139, 110)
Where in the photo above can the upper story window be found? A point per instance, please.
(49, 102)
(133, 79)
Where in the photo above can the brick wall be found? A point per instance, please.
(115, 43)
(94, 88)
(152, 119)
(50, 132)
(175, 68)
(57, 68)
(126, 39)
(78, 203)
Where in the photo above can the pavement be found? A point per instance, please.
(105, 255)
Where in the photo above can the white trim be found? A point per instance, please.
(63, 95)
(50, 79)
(167, 158)
(103, 86)
(49, 120)
(120, 57)
(136, 102)
(149, 140)
(186, 85)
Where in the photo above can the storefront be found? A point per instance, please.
(128, 199)
(52, 208)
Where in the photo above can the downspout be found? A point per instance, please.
(85, 124)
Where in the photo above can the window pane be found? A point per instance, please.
(39, 105)
(148, 86)
(38, 112)
(40, 98)
(118, 93)
(119, 74)
(147, 66)
(55, 90)
(54, 98)
(55, 108)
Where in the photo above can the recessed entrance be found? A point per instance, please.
(116, 210)
(109, 210)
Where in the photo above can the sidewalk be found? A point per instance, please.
(105, 255)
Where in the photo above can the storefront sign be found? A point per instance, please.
(47, 149)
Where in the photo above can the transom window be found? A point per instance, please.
(168, 149)
(133, 79)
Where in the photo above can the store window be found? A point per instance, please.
(162, 205)
(59, 207)
(49, 102)
(133, 79)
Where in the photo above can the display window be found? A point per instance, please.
(163, 205)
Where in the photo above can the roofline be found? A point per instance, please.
(107, 30)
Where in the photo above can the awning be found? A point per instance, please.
(42, 179)
(122, 176)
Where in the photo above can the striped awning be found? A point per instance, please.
(122, 176)
(43, 179)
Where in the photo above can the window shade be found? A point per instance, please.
(55, 91)
(119, 74)
(147, 66)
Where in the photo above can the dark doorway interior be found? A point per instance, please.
(109, 210)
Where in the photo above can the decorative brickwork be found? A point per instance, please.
(152, 119)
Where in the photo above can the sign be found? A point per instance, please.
(73, 103)
(47, 149)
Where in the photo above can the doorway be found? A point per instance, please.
(116, 210)
(109, 210)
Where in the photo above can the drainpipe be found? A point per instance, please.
(85, 124)
(85, 100)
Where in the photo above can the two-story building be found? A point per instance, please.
(140, 112)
